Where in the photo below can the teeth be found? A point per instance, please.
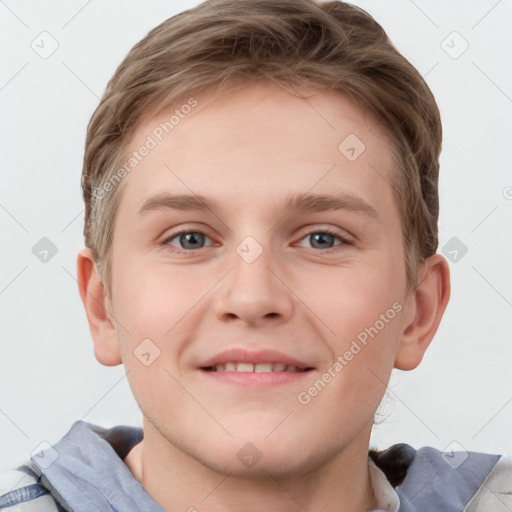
(245, 367)
(258, 368)
(264, 367)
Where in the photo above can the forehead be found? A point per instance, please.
(260, 140)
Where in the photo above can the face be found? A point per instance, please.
(265, 306)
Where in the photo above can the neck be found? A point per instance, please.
(176, 481)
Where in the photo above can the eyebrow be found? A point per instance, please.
(294, 203)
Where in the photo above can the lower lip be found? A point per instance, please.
(257, 379)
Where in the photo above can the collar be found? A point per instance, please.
(85, 471)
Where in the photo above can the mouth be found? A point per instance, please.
(254, 369)
(242, 367)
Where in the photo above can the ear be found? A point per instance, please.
(424, 309)
(98, 309)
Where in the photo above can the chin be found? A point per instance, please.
(251, 463)
(278, 456)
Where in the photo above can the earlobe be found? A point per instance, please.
(98, 310)
(424, 310)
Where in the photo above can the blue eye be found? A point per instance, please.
(324, 239)
(321, 240)
(189, 240)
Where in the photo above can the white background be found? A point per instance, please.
(49, 376)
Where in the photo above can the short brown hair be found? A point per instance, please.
(330, 46)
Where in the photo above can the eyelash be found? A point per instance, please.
(326, 231)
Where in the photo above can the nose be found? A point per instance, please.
(255, 292)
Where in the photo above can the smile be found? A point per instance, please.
(254, 368)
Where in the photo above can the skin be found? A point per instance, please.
(248, 150)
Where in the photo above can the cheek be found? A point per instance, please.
(351, 300)
(158, 307)
(151, 297)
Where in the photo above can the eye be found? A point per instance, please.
(324, 239)
(187, 240)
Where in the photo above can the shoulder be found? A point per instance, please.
(455, 480)
(21, 491)
(448, 480)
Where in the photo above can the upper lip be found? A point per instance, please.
(240, 355)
